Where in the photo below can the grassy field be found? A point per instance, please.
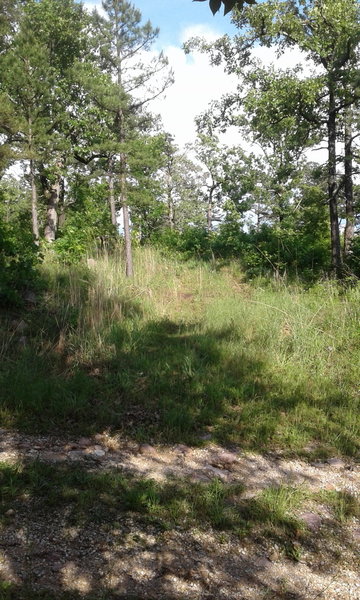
(182, 351)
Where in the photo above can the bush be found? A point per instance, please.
(18, 259)
(87, 223)
(353, 261)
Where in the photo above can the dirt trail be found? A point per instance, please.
(255, 471)
(129, 558)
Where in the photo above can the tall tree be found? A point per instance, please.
(120, 41)
(328, 33)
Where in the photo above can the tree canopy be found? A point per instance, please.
(215, 5)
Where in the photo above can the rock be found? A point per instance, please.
(76, 455)
(319, 465)
(20, 326)
(225, 459)
(274, 555)
(312, 520)
(336, 463)
(10, 512)
(214, 472)
(96, 452)
(23, 342)
(54, 457)
(84, 442)
(182, 448)
(205, 437)
(146, 449)
(30, 297)
(196, 476)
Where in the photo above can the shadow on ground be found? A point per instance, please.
(161, 381)
(79, 534)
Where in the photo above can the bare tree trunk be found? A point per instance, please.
(34, 203)
(123, 199)
(336, 262)
(171, 211)
(128, 250)
(209, 212)
(111, 191)
(349, 191)
(61, 219)
(52, 211)
(123, 164)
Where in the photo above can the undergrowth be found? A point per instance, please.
(181, 350)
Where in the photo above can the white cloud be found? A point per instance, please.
(196, 84)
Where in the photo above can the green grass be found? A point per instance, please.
(185, 349)
(108, 498)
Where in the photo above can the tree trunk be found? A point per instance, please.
(61, 212)
(336, 263)
(34, 203)
(52, 211)
(348, 187)
(111, 192)
(170, 203)
(209, 212)
(128, 250)
(123, 163)
(123, 200)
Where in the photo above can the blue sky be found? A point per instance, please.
(174, 16)
(194, 86)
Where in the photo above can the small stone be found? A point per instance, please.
(84, 442)
(95, 452)
(319, 465)
(98, 453)
(23, 341)
(76, 454)
(274, 555)
(54, 457)
(21, 326)
(30, 297)
(214, 472)
(225, 459)
(146, 449)
(312, 520)
(196, 476)
(336, 463)
(182, 448)
(10, 512)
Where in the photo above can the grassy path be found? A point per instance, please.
(228, 466)
(102, 517)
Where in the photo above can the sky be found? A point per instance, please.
(197, 83)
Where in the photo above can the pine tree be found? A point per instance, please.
(120, 40)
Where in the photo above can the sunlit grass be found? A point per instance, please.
(186, 348)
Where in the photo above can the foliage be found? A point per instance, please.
(187, 349)
(353, 262)
(18, 255)
(215, 5)
(87, 224)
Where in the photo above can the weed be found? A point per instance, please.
(183, 348)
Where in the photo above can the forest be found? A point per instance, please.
(179, 324)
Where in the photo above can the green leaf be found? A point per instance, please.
(215, 5)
